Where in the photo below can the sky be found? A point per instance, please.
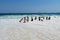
(29, 6)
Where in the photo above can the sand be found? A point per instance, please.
(12, 29)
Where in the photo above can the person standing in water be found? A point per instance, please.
(35, 18)
(48, 18)
(27, 18)
(41, 18)
(31, 18)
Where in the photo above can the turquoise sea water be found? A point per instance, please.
(19, 15)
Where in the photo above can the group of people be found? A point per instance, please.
(26, 19)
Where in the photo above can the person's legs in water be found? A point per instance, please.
(24, 20)
(27, 18)
(48, 18)
(35, 17)
(31, 18)
(20, 20)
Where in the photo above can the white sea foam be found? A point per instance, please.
(12, 29)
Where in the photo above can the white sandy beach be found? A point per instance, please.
(12, 29)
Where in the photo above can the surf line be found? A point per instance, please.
(27, 19)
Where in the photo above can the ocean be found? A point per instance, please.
(12, 29)
(18, 15)
(29, 13)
